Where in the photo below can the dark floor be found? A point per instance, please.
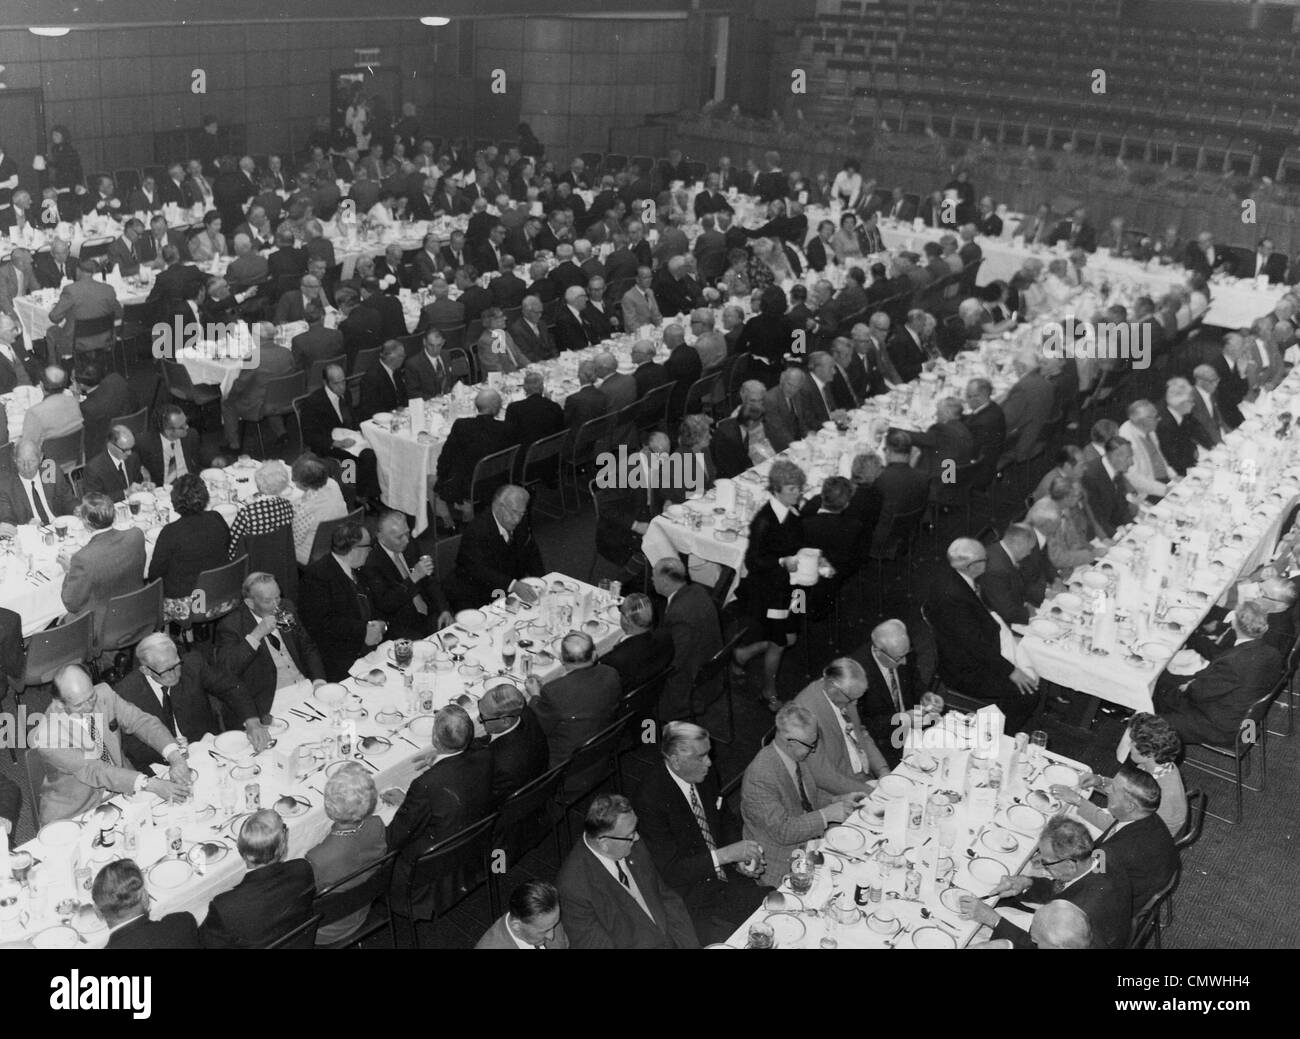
(1237, 889)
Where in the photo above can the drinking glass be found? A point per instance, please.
(508, 650)
(761, 935)
(403, 652)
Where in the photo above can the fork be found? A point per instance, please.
(897, 935)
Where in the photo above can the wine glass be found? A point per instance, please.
(508, 650)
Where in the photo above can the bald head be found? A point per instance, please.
(606, 365)
(891, 637)
(1061, 925)
(487, 402)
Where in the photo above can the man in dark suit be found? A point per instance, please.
(588, 403)
(649, 373)
(469, 441)
(115, 470)
(986, 422)
(336, 602)
(691, 619)
(1267, 262)
(1202, 256)
(906, 347)
(26, 494)
(576, 705)
(1075, 875)
(106, 397)
(124, 253)
(287, 261)
(392, 319)
(11, 801)
(681, 816)
(1207, 412)
(1027, 408)
(264, 644)
(534, 417)
(382, 386)
(573, 330)
(515, 742)
(531, 334)
(179, 692)
(273, 897)
(58, 265)
(1211, 707)
(362, 328)
(173, 450)
(122, 899)
(507, 288)
(903, 490)
(327, 409)
(683, 367)
(786, 416)
(892, 686)
(1007, 589)
(1139, 845)
(969, 638)
(613, 895)
(644, 650)
(176, 281)
(496, 549)
(455, 791)
(402, 585)
(427, 374)
(944, 446)
(1176, 432)
(1076, 231)
(1107, 490)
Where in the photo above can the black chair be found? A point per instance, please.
(301, 937)
(1253, 729)
(137, 422)
(320, 545)
(540, 464)
(129, 618)
(701, 393)
(718, 664)
(283, 397)
(1146, 922)
(525, 819)
(591, 765)
(1185, 838)
(68, 452)
(895, 546)
(653, 411)
(217, 592)
(445, 551)
(453, 868)
(490, 472)
(316, 373)
(182, 390)
(589, 440)
(273, 553)
(364, 360)
(365, 887)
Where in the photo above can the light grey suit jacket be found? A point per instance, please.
(498, 937)
(829, 765)
(110, 563)
(637, 312)
(772, 813)
(76, 778)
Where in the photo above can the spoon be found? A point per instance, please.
(287, 803)
(926, 914)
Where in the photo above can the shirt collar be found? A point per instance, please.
(781, 510)
(682, 785)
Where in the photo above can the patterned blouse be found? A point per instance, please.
(261, 515)
(310, 513)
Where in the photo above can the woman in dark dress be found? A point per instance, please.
(190, 544)
(775, 538)
(766, 337)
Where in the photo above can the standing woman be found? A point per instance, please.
(63, 169)
(847, 188)
(775, 537)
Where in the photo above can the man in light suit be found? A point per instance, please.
(79, 746)
(93, 307)
(496, 350)
(786, 415)
(890, 667)
(613, 895)
(781, 805)
(691, 619)
(532, 920)
(1150, 474)
(640, 307)
(56, 414)
(619, 389)
(26, 495)
(110, 563)
(846, 758)
(1027, 409)
(248, 393)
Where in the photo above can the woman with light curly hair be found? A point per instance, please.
(356, 838)
(266, 511)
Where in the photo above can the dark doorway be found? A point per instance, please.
(22, 116)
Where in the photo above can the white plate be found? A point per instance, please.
(1024, 819)
(277, 726)
(1156, 651)
(1003, 842)
(885, 927)
(331, 694)
(170, 873)
(1044, 628)
(986, 872)
(1044, 802)
(61, 834)
(845, 839)
(233, 744)
(57, 938)
(950, 898)
(894, 785)
(872, 814)
(471, 620)
(921, 761)
(787, 929)
(382, 417)
(1093, 579)
(1068, 602)
(932, 938)
(422, 725)
(1059, 775)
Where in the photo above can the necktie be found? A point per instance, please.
(803, 790)
(38, 506)
(703, 823)
(622, 877)
(895, 693)
(796, 420)
(1120, 487)
(171, 464)
(104, 755)
(121, 469)
(169, 715)
(275, 642)
(1158, 468)
(851, 741)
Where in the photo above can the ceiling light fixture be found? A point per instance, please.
(435, 20)
(49, 30)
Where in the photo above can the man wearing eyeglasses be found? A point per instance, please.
(1074, 874)
(612, 893)
(780, 803)
(847, 758)
(515, 741)
(336, 605)
(890, 666)
(79, 744)
(179, 692)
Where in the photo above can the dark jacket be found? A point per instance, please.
(185, 548)
(173, 931)
(336, 612)
(256, 668)
(267, 904)
(469, 441)
(1144, 852)
(393, 596)
(1213, 706)
(518, 757)
(485, 562)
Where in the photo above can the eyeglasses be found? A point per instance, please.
(498, 717)
(631, 838)
(811, 746)
(164, 671)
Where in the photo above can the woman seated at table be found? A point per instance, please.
(775, 538)
(1198, 298)
(768, 265)
(1153, 746)
(845, 242)
(735, 279)
(866, 503)
(356, 838)
(694, 436)
(322, 500)
(766, 336)
(209, 243)
(267, 511)
(1071, 545)
(195, 541)
(997, 315)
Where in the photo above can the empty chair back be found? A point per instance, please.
(49, 650)
(132, 616)
(218, 591)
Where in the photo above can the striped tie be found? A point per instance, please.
(705, 832)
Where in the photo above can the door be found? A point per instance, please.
(376, 92)
(22, 129)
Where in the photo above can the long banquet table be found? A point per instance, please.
(389, 710)
(978, 845)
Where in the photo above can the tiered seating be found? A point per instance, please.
(1022, 72)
